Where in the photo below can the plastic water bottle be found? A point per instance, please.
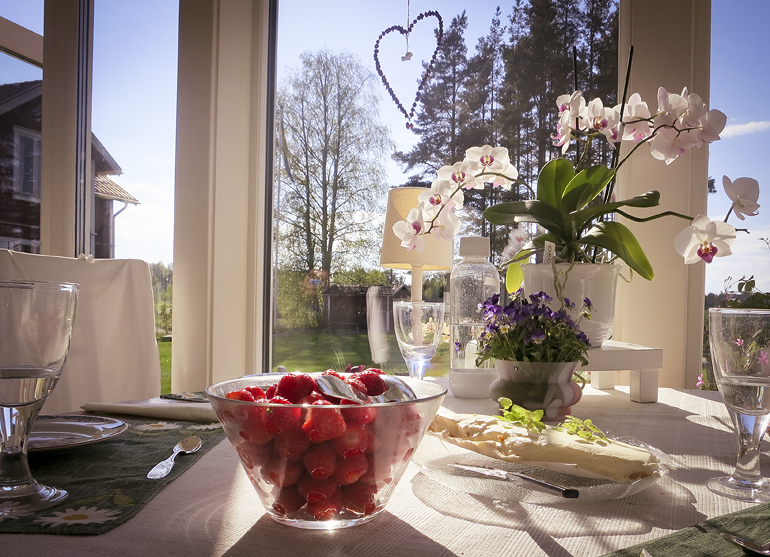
(472, 281)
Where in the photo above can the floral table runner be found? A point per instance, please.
(107, 481)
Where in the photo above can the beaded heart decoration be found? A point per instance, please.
(426, 73)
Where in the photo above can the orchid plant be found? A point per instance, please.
(574, 203)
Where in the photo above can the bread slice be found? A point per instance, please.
(551, 449)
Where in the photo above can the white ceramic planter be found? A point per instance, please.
(596, 282)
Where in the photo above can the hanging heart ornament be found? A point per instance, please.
(425, 74)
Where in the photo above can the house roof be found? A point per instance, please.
(107, 189)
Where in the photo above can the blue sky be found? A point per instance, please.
(134, 95)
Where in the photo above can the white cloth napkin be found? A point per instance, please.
(157, 408)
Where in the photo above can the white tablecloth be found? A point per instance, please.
(213, 510)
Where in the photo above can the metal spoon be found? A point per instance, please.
(331, 385)
(397, 389)
(751, 546)
(187, 445)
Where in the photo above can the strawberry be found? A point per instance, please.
(327, 509)
(253, 455)
(334, 373)
(374, 384)
(356, 413)
(354, 382)
(378, 474)
(256, 392)
(314, 491)
(291, 444)
(295, 386)
(376, 370)
(243, 394)
(270, 392)
(350, 469)
(323, 424)
(279, 419)
(281, 472)
(287, 500)
(311, 398)
(320, 461)
(359, 497)
(353, 442)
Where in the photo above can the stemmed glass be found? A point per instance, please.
(419, 326)
(35, 326)
(740, 353)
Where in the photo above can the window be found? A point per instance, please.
(26, 175)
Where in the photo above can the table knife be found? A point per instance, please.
(522, 479)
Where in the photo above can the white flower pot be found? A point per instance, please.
(596, 282)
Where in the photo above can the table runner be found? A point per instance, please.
(107, 481)
(704, 539)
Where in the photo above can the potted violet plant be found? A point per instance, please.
(536, 351)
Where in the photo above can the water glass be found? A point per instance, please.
(740, 353)
(419, 327)
(35, 327)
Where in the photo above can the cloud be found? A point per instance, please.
(732, 130)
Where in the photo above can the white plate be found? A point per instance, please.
(434, 456)
(51, 432)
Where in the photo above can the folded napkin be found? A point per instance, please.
(164, 408)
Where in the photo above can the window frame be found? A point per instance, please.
(19, 173)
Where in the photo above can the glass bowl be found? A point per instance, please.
(306, 479)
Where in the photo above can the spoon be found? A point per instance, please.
(751, 546)
(397, 389)
(187, 445)
(333, 386)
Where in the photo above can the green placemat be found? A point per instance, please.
(107, 481)
(704, 539)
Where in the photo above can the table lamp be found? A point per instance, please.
(437, 255)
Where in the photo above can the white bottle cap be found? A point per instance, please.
(474, 246)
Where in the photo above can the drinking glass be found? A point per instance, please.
(740, 353)
(35, 326)
(419, 326)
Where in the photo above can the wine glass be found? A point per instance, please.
(35, 327)
(419, 327)
(740, 353)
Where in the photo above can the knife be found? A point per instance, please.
(522, 479)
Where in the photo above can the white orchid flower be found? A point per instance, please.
(438, 195)
(744, 193)
(460, 174)
(487, 158)
(410, 231)
(603, 120)
(704, 239)
(446, 225)
(574, 106)
(636, 124)
(671, 103)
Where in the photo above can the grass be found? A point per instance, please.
(165, 367)
(315, 350)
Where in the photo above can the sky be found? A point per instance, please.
(134, 98)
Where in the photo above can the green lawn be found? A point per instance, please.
(319, 350)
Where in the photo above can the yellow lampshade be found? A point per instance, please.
(437, 255)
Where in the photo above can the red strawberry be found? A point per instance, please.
(323, 424)
(253, 429)
(379, 473)
(353, 442)
(376, 370)
(270, 392)
(320, 461)
(314, 491)
(256, 392)
(374, 384)
(350, 469)
(279, 419)
(253, 455)
(311, 398)
(287, 500)
(295, 386)
(292, 444)
(356, 384)
(281, 472)
(334, 373)
(356, 413)
(243, 394)
(327, 509)
(359, 497)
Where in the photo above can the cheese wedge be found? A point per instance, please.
(550, 449)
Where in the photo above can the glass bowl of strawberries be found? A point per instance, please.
(319, 462)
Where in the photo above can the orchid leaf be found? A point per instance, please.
(618, 239)
(511, 212)
(514, 276)
(583, 217)
(553, 181)
(585, 186)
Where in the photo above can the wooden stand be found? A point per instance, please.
(642, 362)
